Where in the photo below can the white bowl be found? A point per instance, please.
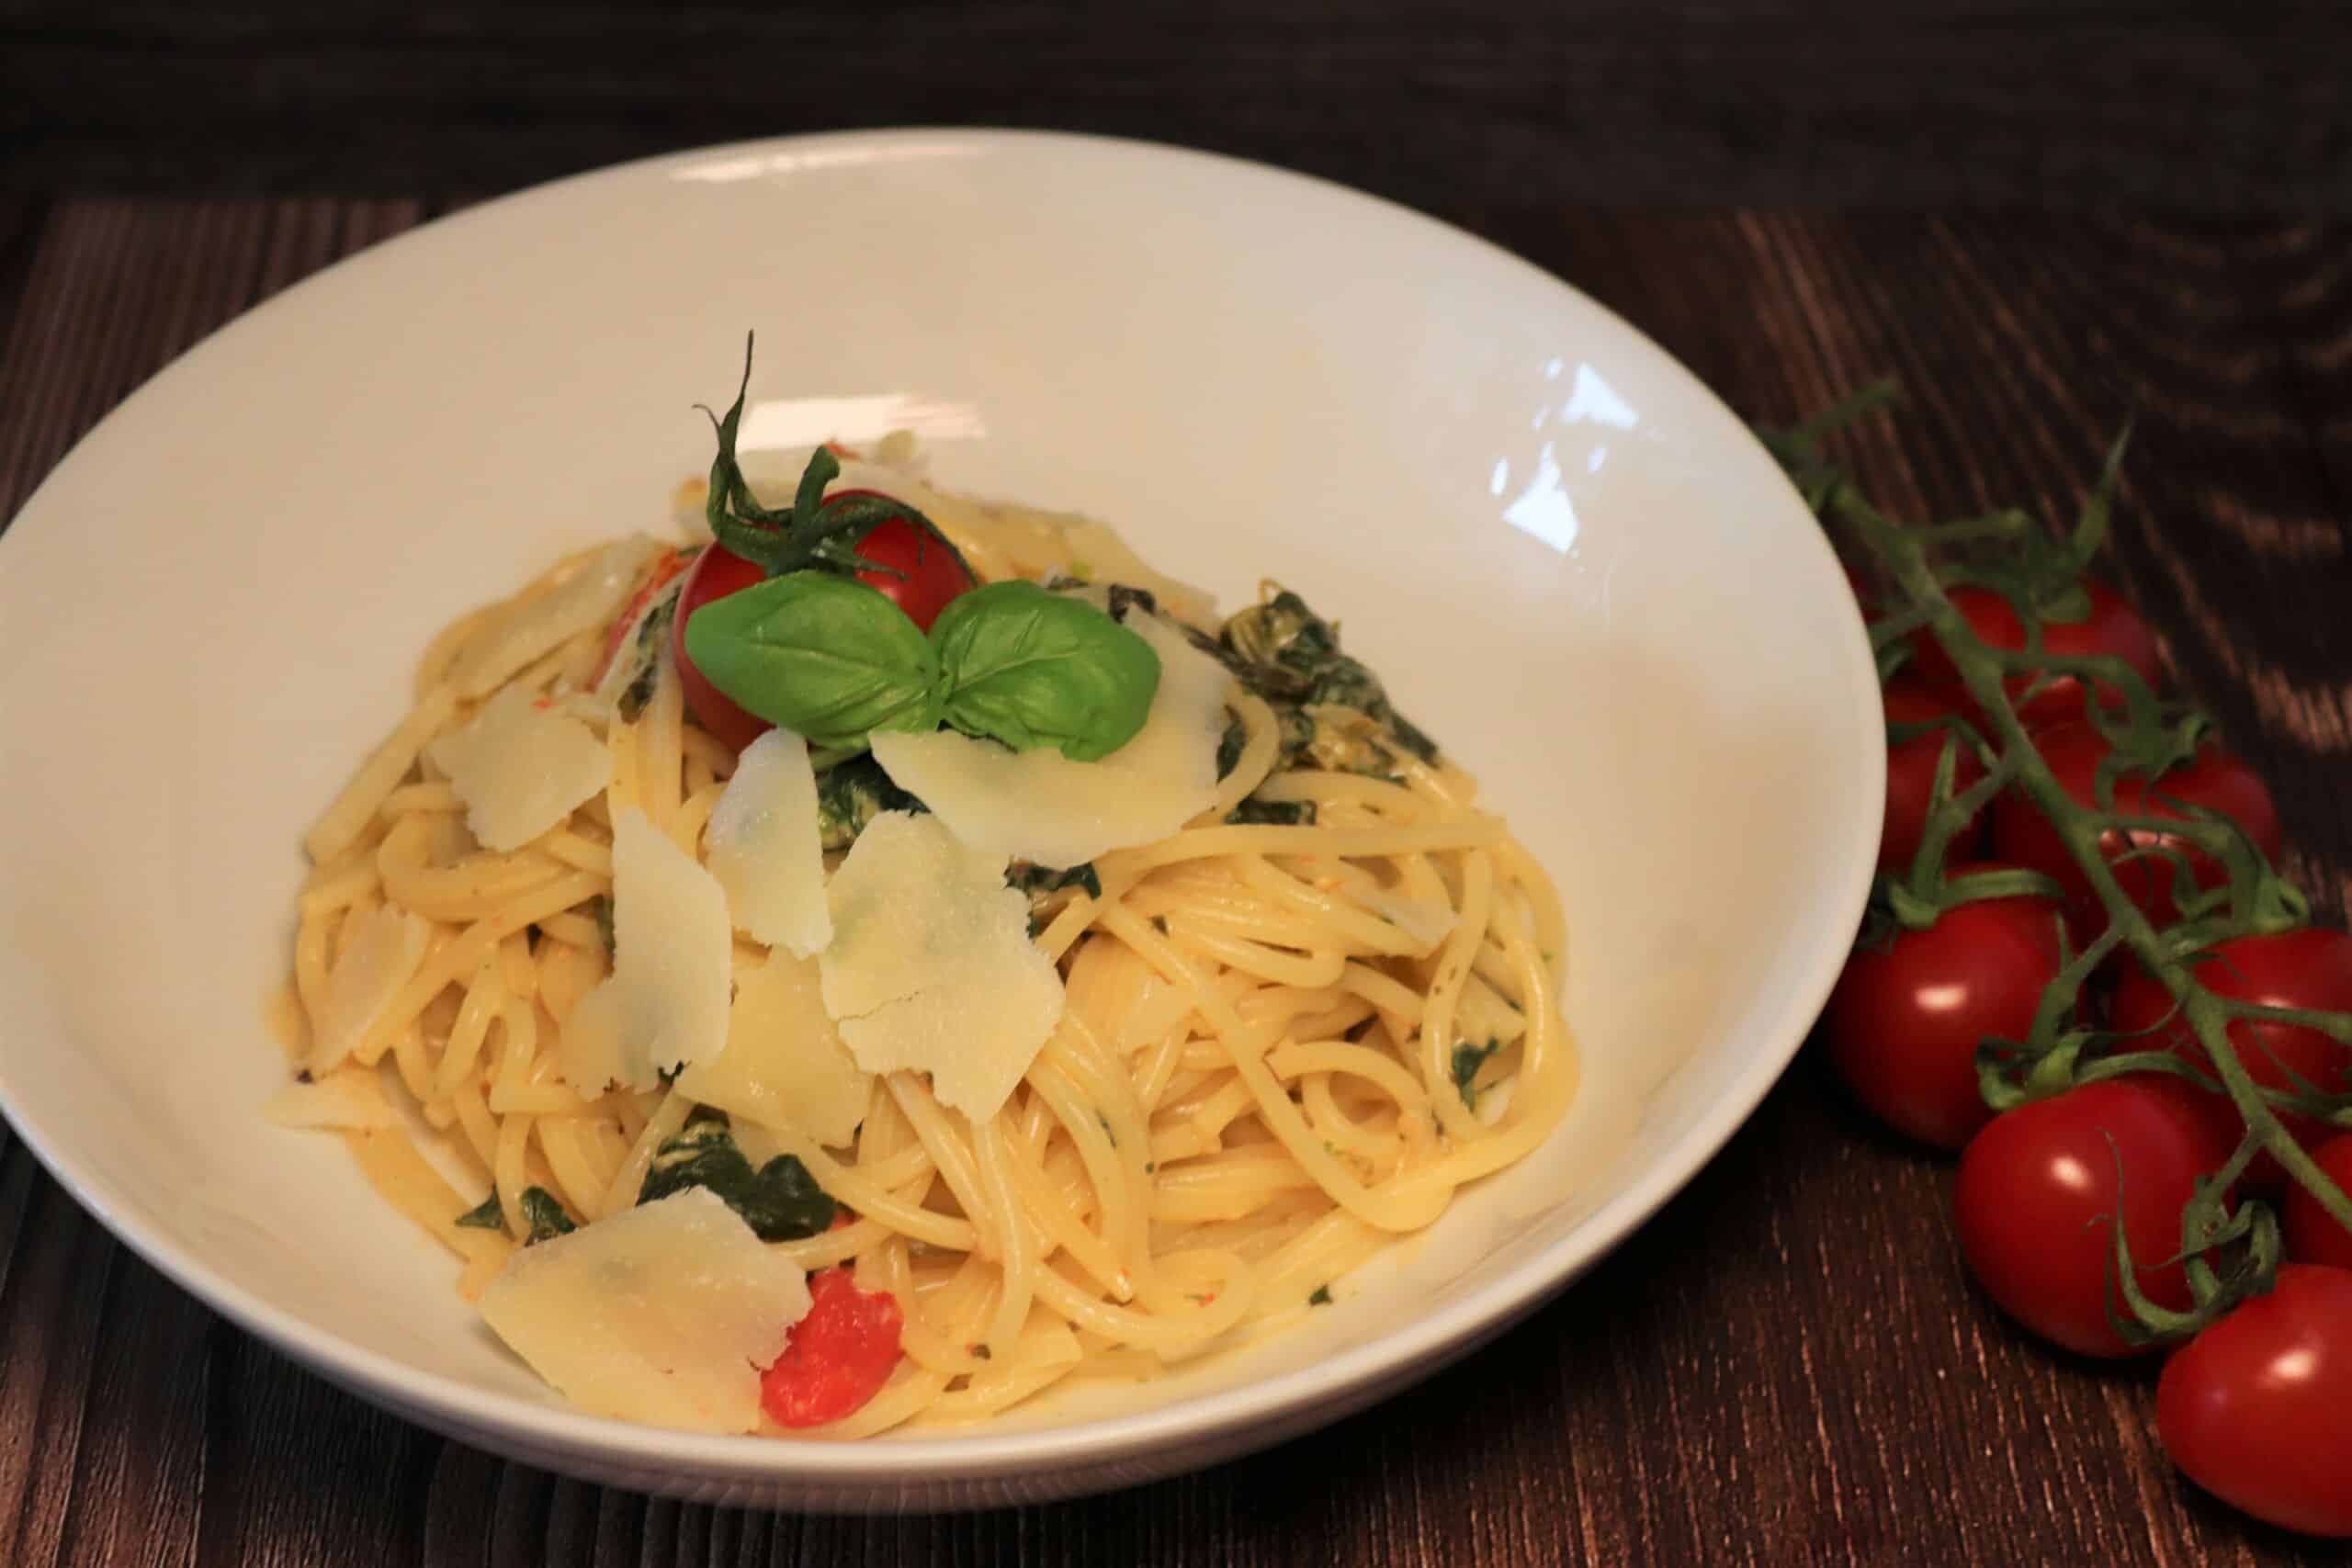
(1566, 557)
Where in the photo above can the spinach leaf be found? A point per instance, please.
(600, 909)
(780, 1201)
(485, 1216)
(1253, 812)
(543, 1213)
(1468, 1060)
(852, 794)
(826, 657)
(1288, 655)
(1230, 745)
(1034, 669)
(1037, 880)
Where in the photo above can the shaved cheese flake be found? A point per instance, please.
(931, 968)
(376, 960)
(350, 1097)
(664, 1313)
(522, 634)
(765, 846)
(1041, 807)
(520, 768)
(666, 1001)
(785, 1064)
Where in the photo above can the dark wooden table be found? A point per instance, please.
(1787, 1366)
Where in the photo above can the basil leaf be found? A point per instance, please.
(825, 656)
(1035, 669)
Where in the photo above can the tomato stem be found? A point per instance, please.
(2145, 737)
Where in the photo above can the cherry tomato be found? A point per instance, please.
(1905, 1019)
(2213, 778)
(2112, 627)
(1911, 774)
(2039, 1187)
(839, 1357)
(912, 570)
(2313, 1234)
(2253, 1408)
(2309, 968)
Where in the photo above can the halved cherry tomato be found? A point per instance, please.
(2215, 778)
(839, 1356)
(911, 570)
(2309, 968)
(1905, 1019)
(2313, 1234)
(2253, 1408)
(1911, 773)
(2039, 1188)
(2112, 627)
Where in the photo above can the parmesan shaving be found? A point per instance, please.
(666, 1002)
(348, 1097)
(785, 1064)
(521, 769)
(523, 633)
(765, 847)
(1039, 806)
(664, 1314)
(376, 960)
(931, 968)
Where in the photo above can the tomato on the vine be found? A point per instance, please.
(2309, 968)
(2039, 1188)
(2215, 779)
(1911, 773)
(2253, 1408)
(911, 570)
(2312, 1233)
(1905, 1019)
(2112, 627)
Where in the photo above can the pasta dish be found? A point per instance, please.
(893, 954)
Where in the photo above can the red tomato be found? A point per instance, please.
(1905, 1019)
(2213, 779)
(839, 1356)
(2253, 1408)
(2309, 968)
(2039, 1191)
(1911, 774)
(2112, 627)
(2313, 1234)
(912, 570)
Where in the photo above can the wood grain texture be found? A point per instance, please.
(1787, 1366)
(2164, 102)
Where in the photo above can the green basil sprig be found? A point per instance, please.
(1035, 669)
(833, 660)
(827, 658)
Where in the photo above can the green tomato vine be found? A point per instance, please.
(2229, 1248)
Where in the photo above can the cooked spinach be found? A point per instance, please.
(1253, 812)
(852, 794)
(543, 1213)
(485, 1216)
(780, 1201)
(1039, 880)
(1230, 746)
(1321, 1298)
(1334, 711)
(600, 909)
(1468, 1060)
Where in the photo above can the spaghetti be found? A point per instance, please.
(1293, 1031)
